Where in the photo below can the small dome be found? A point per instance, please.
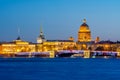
(18, 38)
(71, 38)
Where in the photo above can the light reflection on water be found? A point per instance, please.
(59, 69)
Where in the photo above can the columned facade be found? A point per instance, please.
(84, 37)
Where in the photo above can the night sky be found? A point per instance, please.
(59, 19)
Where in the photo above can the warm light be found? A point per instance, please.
(106, 46)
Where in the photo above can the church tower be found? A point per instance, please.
(84, 33)
(41, 37)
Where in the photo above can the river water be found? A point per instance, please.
(59, 69)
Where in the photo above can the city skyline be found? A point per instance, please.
(59, 19)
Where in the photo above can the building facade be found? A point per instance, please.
(84, 42)
(16, 46)
(84, 37)
(84, 33)
(41, 37)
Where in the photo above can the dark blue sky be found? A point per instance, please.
(60, 19)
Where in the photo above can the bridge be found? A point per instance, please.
(87, 53)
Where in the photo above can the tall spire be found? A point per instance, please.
(40, 28)
(41, 32)
(41, 37)
(18, 38)
(18, 31)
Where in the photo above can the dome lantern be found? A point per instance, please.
(84, 20)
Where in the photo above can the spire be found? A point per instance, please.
(40, 28)
(18, 31)
(41, 37)
(84, 20)
(41, 32)
(18, 38)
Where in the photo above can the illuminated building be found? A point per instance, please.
(56, 45)
(84, 33)
(84, 37)
(84, 42)
(107, 46)
(97, 39)
(40, 40)
(71, 38)
(18, 45)
(41, 37)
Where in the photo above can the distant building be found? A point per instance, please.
(71, 38)
(84, 37)
(54, 45)
(16, 46)
(57, 45)
(107, 46)
(41, 37)
(84, 42)
(84, 33)
(97, 39)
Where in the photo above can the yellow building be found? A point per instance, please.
(18, 45)
(84, 37)
(56, 45)
(53, 45)
(84, 33)
(83, 43)
(106, 46)
(41, 37)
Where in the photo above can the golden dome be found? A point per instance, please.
(84, 33)
(84, 27)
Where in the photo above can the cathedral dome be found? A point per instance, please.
(84, 27)
(84, 33)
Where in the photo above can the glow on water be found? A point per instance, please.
(59, 69)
